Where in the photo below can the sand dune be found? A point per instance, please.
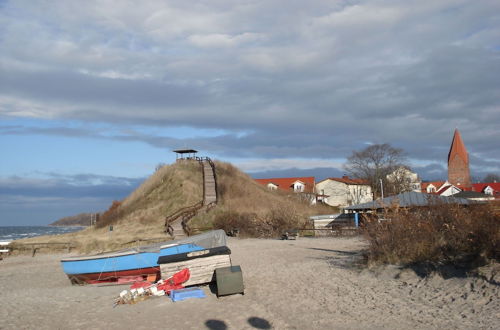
(302, 284)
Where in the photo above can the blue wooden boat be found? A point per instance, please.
(135, 262)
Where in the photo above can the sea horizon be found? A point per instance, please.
(14, 232)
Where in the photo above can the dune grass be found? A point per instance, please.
(441, 234)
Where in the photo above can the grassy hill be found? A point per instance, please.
(252, 208)
(243, 203)
(82, 219)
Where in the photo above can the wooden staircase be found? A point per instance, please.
(176, 224)
(209, 183)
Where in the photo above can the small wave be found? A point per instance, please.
(19, 232)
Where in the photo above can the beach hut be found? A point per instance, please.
(404, 200)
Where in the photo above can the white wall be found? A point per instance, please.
(342, 195)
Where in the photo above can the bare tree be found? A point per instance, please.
(402, 179)
(491, 177)
(356, 194)
(374, 163)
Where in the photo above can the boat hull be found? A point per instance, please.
(124, 276)
(111, 267)
(138, 262)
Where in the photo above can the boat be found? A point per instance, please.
(138, 263)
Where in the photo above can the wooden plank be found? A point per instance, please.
(199, 263)
(201, 269)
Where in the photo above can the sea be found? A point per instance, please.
(10, 233)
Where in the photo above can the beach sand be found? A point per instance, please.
(301, 284)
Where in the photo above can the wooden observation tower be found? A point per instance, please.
(183, 154)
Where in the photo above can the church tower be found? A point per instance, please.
(458, 163)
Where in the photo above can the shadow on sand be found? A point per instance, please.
(256, 322)
(352, 260)
(464, 267)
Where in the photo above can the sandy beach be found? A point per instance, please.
(302, 284)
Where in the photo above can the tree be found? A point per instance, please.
(490, 178)
(374, 163)
(402, 179)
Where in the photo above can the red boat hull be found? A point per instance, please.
(124, 276)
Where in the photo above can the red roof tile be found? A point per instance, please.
(436, 184)
(443, 189)
(286, 184)
(479, 187)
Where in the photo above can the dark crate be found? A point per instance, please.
(229, 280)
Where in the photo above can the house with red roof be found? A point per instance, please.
(300, 185)
(492, 189)
(432, 187)
(441, 188)
(344, 191)
(448, 189)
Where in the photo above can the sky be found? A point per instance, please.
(95, 94)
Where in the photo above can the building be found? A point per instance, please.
(432, 187)
(344, 191)
(305, 186)
(474, 196)
(447, 189)
(407, 200)
(441, 188)
(458, 163)
(491, 189)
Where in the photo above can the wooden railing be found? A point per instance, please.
(140, 241)
(181, 213)
(186, 213)
(34, 247)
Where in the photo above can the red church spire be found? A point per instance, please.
(458, 148)
(458, 163)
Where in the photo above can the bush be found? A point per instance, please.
(110, 216)
(438, 234)
(271, 224)
(229, 220)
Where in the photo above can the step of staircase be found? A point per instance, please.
(178, 230)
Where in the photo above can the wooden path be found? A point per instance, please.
(176, 224)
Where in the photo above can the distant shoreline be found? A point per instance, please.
(52, 225)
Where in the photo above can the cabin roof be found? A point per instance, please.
(409, 199)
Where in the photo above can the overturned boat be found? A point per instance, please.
(134, 263)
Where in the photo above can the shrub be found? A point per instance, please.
(271, 224)
(438, 234)
(229, 220)
(277, 220)
(110, 216)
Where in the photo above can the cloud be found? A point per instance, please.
(56, 186)
(222, 40)
(45, 197)
(262, 165)
(281, 79)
